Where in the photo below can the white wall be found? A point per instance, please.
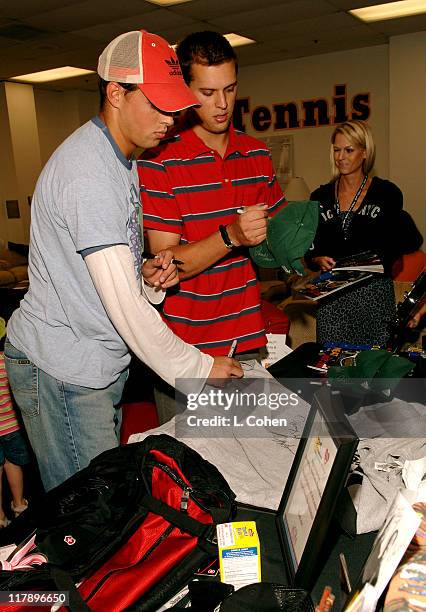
(59, 113)
(407, 95)
(362, 70)
(8, 181)
(33, 122)
(20, 174)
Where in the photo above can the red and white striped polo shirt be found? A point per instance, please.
(190, 189)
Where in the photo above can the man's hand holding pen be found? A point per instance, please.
(249, 229)
(161, 270)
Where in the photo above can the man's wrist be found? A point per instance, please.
(228, 237)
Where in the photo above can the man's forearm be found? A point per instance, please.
(248, 229)
(138, 323)
(196, 256)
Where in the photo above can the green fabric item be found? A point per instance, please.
(2, 327)
(289, 235)
(395, 368)
(368, 363)
(377, 371)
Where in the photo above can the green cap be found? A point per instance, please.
(2, 327)
(290, 234)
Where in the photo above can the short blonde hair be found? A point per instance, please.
(358, 134)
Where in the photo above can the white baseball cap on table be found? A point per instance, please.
(148, 61)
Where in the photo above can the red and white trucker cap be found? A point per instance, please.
(149, 61)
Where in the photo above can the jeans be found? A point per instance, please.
(67, 425)
(14, 448)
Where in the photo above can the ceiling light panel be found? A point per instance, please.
(391, 10)
(168, 2)
(237, 41)
(55, 74)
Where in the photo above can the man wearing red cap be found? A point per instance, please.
(68, 344)
(207, 194)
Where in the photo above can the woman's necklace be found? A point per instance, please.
(346, 218)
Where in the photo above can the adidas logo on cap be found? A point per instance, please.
(174, 64)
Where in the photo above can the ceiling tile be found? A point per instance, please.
(348, 35)
(258, 54)
(8, 46)
(207, 9)
(283, 13)
(156, 21)
(312, 27)
(405, 25)
(88, 13)
(74, 32)
(174, 35)
(27, 8)
(104, 32)
(24, 63)
(19, 31)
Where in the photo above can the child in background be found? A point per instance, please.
(13, 448)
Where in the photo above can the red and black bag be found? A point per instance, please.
(132, 527)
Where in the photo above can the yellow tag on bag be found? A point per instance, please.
(239, 553)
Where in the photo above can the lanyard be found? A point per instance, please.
(346, 218)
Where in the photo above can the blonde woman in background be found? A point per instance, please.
(358, 213)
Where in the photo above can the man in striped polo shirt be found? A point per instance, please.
(207, 193)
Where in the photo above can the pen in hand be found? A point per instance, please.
(147, 255)
(233, 347)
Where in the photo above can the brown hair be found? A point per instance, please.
(207, 48)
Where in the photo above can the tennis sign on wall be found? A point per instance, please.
(315, 112)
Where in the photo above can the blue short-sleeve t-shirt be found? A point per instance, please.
(87, 197)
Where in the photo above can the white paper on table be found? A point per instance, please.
(276, 349)
(413, 473)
